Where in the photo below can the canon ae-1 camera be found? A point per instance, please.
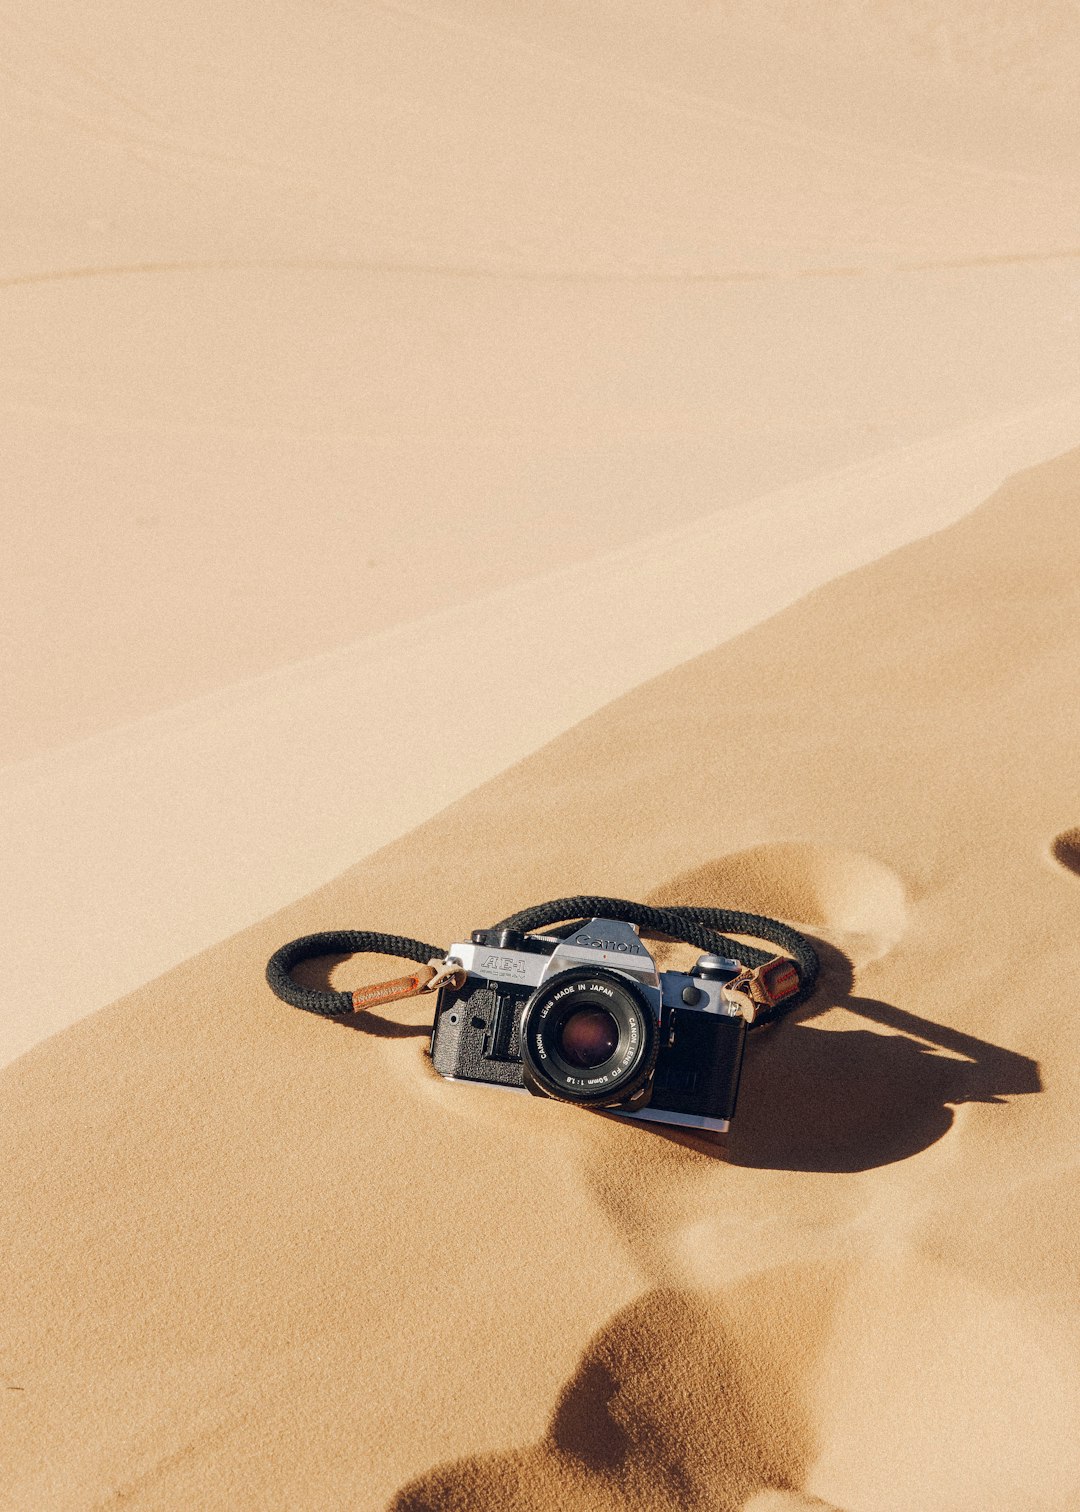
(587, 1018)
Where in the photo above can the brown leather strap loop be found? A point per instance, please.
(764, 986)
(388, 992)
(776, 980)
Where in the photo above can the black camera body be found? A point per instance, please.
(587, 1018)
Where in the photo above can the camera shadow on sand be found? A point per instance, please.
(819, 1099)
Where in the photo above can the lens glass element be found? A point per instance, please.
(588, 1037)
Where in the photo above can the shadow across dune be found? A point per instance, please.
(819, 1099)
(683, 1399)
(690, 1397)
(1065, 849)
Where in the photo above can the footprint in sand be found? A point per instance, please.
(873, 1085)
(858, 901)
(1065, 849)
(681, 1399)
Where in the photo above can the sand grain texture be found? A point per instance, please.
(454, 449)
(253, 1258)
(356, 354)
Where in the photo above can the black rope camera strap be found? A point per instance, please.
(707, 928)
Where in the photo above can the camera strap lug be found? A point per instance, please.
(427, 978)
(445, 974)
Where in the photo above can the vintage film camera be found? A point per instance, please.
(587, 1018)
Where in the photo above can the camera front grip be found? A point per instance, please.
(707, 928)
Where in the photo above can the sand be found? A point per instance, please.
(351, 350)
(476, 455)
(258, 1259)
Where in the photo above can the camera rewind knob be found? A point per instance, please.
(714, 968)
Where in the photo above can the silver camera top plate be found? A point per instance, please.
(604, 943)
(601, 942)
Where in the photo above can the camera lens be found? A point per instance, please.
(588, 1037)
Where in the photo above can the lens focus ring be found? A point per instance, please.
(589, 1037)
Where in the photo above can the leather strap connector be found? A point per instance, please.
(763, 986)
(389, 992)
(777, 980)
(428, 978)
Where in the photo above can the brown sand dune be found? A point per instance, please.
(336, 284)
(987, 83)
(113, 833)
(254, 1259)
(324, 320)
